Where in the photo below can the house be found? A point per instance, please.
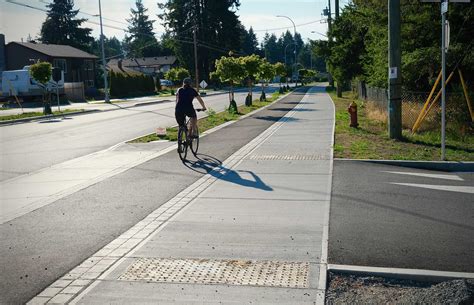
(78, 66)
(145, 65)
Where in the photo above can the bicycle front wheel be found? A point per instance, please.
(182, 143)
(195, 142)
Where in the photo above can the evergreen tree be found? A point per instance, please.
(249, 41)
(62, 27)
(112, 47)
(217, 30)
(272, 50)
(141, 41)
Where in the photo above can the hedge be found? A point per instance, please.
(123, 85)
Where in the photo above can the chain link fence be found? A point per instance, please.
(457, 111)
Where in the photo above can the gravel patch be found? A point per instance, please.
(350, 289)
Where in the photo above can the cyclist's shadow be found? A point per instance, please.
(206, 164)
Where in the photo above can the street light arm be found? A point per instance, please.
(294, 26)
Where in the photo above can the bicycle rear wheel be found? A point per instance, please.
(195, 143)
(182, 143)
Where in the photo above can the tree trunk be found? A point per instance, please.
(232, 104)
(339, 89)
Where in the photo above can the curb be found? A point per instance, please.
(149, 103)
(445, 166)
(43, 118)
(422, 275)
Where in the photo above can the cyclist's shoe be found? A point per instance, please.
(180, 149)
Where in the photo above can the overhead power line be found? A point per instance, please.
(289, 27)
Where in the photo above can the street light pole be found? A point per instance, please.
(294, 37)
(107, 98)
(285, 60)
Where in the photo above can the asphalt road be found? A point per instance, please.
(32, 146)
(41, 246)
(390, 216)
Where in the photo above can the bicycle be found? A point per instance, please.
(184, 141)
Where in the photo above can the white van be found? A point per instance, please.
(20, 83)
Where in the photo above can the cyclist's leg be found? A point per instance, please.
(191, 113)
(180, 118)
(194, 127)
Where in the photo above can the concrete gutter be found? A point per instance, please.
(400, 273)
(444, 166)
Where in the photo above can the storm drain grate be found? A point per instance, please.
(230, 272)
(289, 157)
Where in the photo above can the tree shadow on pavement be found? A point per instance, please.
(275, 118)
(293, 109)
(209, 165)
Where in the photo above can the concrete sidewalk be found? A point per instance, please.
(96, 105)
(253, 230)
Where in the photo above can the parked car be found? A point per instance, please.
(165, 82)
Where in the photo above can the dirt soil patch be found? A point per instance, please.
(351, 289)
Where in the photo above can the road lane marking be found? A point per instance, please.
(449, 188)
(436, 176)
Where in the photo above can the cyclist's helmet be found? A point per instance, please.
(187, 81)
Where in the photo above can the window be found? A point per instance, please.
(88, 65)
(61, 64)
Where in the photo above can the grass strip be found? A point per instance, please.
(371, 141)
(212, 120)
(35, 114)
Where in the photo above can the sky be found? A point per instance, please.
(19, 22)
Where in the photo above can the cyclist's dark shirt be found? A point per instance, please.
(185, 98)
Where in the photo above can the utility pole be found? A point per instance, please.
(329, 15)
(336, 8)
(394, 73)
(106, 90)
(444, 10)
(196, 58)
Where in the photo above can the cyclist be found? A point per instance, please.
(184, 105)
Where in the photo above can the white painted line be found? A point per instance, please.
(401, 272)
(449, 188)
(436, 176)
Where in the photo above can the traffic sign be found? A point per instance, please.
(203, 84)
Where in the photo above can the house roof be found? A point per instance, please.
(144, 61)
(56, 50)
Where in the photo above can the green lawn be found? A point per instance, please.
(371, 141)
(34, 114)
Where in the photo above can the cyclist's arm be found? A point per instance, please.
(199, 98)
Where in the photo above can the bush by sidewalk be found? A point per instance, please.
(371, 141)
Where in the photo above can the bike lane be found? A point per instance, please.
(253, 227)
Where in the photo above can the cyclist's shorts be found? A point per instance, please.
(180, 115)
